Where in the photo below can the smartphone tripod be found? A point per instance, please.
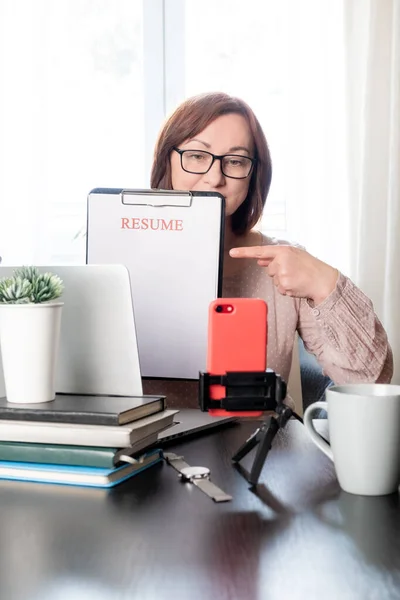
(248, 392)
(264, 436)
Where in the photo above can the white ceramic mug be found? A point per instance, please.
(364, 434)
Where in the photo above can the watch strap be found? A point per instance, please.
(175, 461)
(212, 490)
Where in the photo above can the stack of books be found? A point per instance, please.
(96, 441)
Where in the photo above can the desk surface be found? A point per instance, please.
(156, 538)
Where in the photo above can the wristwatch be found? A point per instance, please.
(199, 476)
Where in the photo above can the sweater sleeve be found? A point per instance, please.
(346, 336)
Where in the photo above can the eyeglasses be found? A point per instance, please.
(200, 162)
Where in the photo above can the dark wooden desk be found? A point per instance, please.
(156, 538)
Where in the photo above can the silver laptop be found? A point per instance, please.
(192, 421)
(98, 351)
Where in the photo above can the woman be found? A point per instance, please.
(214, 142)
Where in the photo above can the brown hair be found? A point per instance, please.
(189, 119)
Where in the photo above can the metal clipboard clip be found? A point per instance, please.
(157, 198)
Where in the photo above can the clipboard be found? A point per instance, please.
(172, 244)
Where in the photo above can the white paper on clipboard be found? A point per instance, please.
(172, 244)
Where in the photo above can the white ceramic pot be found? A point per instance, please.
(29, 340)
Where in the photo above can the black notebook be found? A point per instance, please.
(89, 410)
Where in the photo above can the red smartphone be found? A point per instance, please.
(237, 341)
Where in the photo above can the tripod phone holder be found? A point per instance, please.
(247, 392)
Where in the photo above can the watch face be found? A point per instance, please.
(195, 472)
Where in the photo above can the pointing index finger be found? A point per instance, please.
(260, 252)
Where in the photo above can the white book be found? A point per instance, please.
(85, 435)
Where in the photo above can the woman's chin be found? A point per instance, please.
(229, 211)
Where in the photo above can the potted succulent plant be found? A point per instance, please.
(30, 321)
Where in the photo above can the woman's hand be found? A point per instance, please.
(294, 271)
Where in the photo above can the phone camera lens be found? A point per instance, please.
(219, 308)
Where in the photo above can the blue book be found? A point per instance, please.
(83, 476)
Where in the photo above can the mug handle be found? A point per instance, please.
(312, 432)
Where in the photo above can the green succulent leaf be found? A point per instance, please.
(29, 273)
(15, 290)
(27, 285)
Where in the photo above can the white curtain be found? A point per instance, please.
(317, 208)
(372, 59)
(343, 162)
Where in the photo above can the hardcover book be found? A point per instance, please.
(85, 435)
(80, 456)
(91, 410)
(68, 475)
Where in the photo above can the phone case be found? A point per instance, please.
(237, 341)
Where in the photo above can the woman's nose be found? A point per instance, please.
(215, 177)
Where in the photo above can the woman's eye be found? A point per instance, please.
(196, 156)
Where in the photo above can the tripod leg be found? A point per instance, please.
(247, 446)
(263, 449)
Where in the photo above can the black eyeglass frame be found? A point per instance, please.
(214, 158)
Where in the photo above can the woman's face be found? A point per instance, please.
(229, 134)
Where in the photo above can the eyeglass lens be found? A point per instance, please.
(232, 165)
